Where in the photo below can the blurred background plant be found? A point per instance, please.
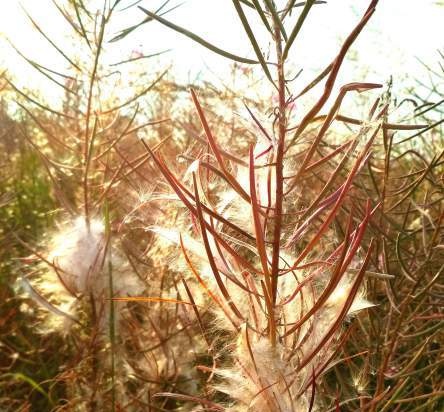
(212, 306)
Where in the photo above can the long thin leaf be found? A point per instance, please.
(148, 56)
(197, 38)
(148, 299)
(272, 9)
(82, 27)
(262, 15)
(204, 285)
(40, 68)
(329, 119)
(214, 147)
(333, 73)
(260, 236)
(175, 185)
(62, 53)
(30, 381)
(41, 105)
(252, 38)
(214, 268)
(300, 22)
(345, 189)
(130, 29)
(344, 310)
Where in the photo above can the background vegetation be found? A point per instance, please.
(146, 158)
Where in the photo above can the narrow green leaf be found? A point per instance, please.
(130, 5)
(198, 39)
(276, 18)
(262, 15)
(431, 107)
(421, 131)
(45, 129)
(247, 3)
(67, 17)
(83, 7)
(308, 5)
(253, 41)
(130, 29)
(318, 78)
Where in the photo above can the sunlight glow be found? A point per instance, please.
(391, 45)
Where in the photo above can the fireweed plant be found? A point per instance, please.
(222, 282)
(280, 289)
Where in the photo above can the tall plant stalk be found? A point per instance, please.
(279, 172)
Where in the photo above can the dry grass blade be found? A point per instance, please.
(37, 103)
(327, 221)
(329, 119)
(258, 229)
(205, 403)
(176, 186)
(44, 70)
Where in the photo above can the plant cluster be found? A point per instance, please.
(287, 260)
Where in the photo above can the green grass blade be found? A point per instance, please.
(112, 330)
(32, 382)
(318, 79)
(247, 3)
(67, 18)
(292, 5)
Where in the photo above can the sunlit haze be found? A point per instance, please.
(399, 36)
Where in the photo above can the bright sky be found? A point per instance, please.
(400, 33)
